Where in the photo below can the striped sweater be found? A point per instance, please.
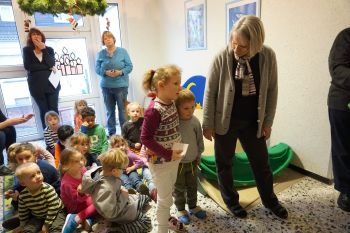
(44, 204)
(50, 138)
(160, 130)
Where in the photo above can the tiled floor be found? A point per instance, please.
(311, 205)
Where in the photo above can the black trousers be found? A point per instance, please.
(256, 150)
(46, 102)
(340, 138)
(7, 137)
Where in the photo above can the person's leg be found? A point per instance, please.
(121, 96)
(135, 179)
(2, 146)
(146, 173)
(225, 146)
(57, 225)
(11, 135)
(164, 176)
(340, 147)
(126, 181)
(34, 225)
(41, 102)
(110, 101)
(257, 154)
(180, 187)
(191, 186)
(52, 100)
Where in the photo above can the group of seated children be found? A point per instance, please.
(86, 176)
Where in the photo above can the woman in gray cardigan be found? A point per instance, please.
(240, 103)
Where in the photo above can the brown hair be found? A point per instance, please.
(65, 159)
(184, 96)
(34, 31)
(114, 159)
(116, 139)
(107, 34)
(78, 138)
(152, 77)
(25, 146)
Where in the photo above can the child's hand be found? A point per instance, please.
(150, 153)
(137, 145)
(85, 123)
(79, 188)
(176, 155)
(9, 194)
(129, 169)
(17, 230)
(45, 229)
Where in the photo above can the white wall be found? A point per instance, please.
(301, 33)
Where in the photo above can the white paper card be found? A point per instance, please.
(54, 78)
(180, 146)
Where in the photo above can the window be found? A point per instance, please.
(10, 50)
(72, 62)
(61, 20)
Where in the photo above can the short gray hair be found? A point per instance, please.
(250, 28)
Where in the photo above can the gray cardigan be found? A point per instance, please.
(220, 91)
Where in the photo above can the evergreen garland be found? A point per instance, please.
(81, 7)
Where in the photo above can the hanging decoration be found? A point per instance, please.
(27, 25)
(72, 22)
(80, 7)
(108, 24)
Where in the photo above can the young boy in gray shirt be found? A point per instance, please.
(186, 182)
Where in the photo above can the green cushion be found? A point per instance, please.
(279, 158)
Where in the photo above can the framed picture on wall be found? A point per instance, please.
(196, 24)
(238, 8)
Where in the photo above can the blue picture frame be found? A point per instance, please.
(196, 24)
(238, 8)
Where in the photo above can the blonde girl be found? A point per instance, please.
(78, 205)
(81, 142)
(160, 130)
(78, 106)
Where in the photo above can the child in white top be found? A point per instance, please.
(160, 130)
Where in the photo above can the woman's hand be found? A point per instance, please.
(267, 132)
(209, 134)
(39, 44)
(113, 73)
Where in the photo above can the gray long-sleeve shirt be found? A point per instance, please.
(191, 133)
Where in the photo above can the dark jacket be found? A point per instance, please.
(39, 72)
(339, 68)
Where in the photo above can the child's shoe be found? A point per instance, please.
(198, 212)
(88, 224)
(143, 189)
(132, 191)
(70, 225)
(153, 195)
(183, 216)
(176, 225)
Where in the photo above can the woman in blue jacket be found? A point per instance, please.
(39, 61)
(113, 65)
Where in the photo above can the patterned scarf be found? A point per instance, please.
(245, 74)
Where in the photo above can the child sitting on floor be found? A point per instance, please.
(52, 121)
(81, 142)
(111, 201)
(130, 178)
(78, 205)
(131, 130)
(40, 208)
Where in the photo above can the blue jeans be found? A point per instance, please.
(131, 180)
(111, 97)
(147, 176)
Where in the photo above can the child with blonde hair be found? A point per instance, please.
(78, 106)
(52, 120)
(81, 142)
(111, 201)
(79, 206)
(130, 178)
(131, 130)
(186, 182)
(160, 130)
(40, 208)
